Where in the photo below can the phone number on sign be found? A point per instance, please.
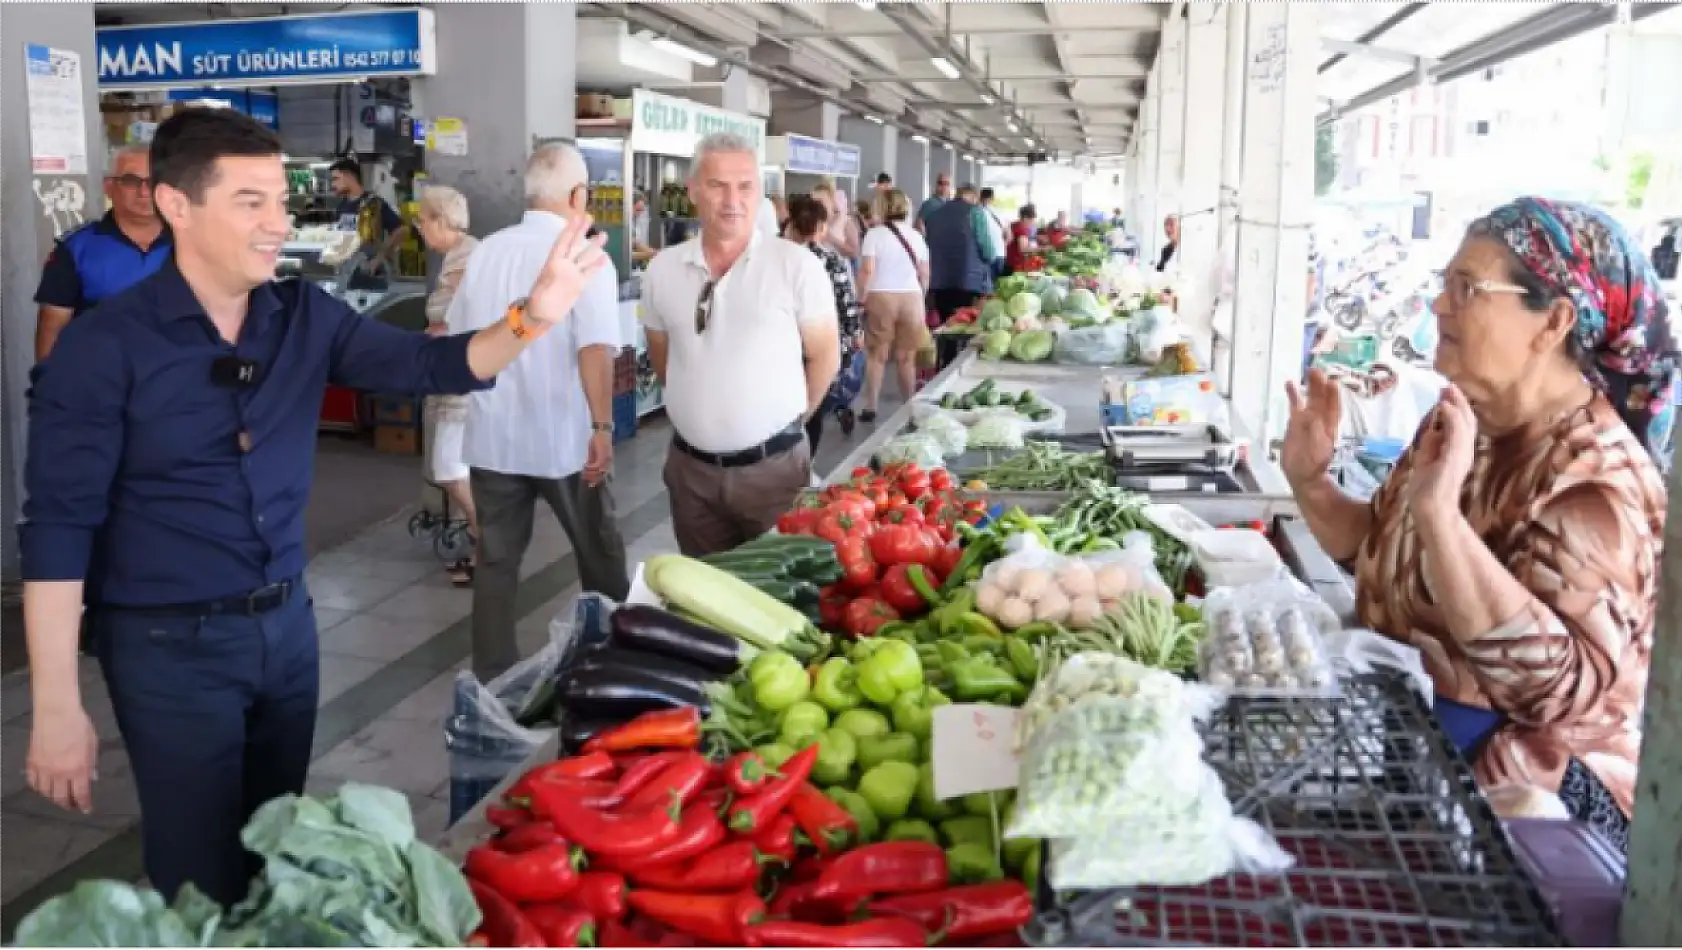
(376, 59)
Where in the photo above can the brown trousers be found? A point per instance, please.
(715, 509)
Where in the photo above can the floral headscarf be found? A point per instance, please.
(1581, 253)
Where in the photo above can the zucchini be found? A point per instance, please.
(652, 630)
(729, 604)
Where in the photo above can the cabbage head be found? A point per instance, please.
(1033, 346)
(1011, 286)
(995, 345)
(1053, 299)
(994, 316)
(1023, 305)
(1084, 302)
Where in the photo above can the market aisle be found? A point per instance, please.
(393, 635)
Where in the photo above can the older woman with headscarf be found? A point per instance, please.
(1517, 542)
(443, 225)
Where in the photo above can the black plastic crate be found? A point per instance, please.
(1395, 846)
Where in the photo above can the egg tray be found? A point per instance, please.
(1394, 844)
(1247, 623)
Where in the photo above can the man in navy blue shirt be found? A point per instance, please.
(110, 255)
(171, 443)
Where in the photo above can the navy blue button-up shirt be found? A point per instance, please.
(137, 481)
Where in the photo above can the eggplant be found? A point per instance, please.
(663, 632)
(619, 690)
(577, 730)
(612, 654)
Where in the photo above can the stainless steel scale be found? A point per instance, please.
(1173, 458)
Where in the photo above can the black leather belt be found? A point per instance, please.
(259, 601)
(787, 439)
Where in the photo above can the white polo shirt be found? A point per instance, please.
(744, 379)
(535, 420)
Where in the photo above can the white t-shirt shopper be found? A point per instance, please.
(895, 271)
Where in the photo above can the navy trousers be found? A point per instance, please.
(218, 714)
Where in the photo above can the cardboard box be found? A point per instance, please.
(397, 440)
(396, 411)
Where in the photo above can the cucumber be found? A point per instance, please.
(752, 564)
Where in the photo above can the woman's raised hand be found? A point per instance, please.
(1312, 432)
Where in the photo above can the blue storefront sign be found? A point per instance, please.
(262, 106)
(331, 47)
(817, 157)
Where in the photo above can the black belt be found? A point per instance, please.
(259, 601)
(787, 439)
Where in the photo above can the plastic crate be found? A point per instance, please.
(624, 416)
(1394, 845)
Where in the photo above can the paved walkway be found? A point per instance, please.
(393, 635)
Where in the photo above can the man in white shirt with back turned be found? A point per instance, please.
(742, 330)
(546, 429)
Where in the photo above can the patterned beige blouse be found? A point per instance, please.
(450, 271)
(1577, 515)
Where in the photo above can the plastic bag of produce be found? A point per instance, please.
(1094, 677)
(945, 429)
(919, 447)
(998, 430)
(1032, 584)
(1032, 345)
(1104, 345)
(1269, 639)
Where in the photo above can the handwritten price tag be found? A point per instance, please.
(972, 749)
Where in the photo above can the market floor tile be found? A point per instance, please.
(394, 633)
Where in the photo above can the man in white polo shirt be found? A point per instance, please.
(742, 330)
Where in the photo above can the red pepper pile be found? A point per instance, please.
(657, 846)
(894, 535)
(1033, 264)
(964, 316)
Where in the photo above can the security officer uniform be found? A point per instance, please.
(95, 261)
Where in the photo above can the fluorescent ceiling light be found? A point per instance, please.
(862, 5)
(944, 67)
(969, 158)
(874, 118)
(988, 99)
(678, 49)
(1028, 141)
(920, 138)
(1010, 125)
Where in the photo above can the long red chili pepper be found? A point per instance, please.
(507, 819)
(678, 728)
(825, 822)
(809, 868)
(698, 832)
(976, 910)
(528, 837)
(639, 774)
(794, 900)
(777, 839)
(590, 765)
(602, 893)
(563, 926)
(729, 867)
(681, 780)
(888, 867)
(547, 873)
(753, 812)
(504, 925)
(716, 799)
(880, 932)
(599, 833)
(589, 792)
(746, 772)
(612, 933)
(714, 918)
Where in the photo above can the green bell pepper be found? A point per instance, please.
(973, 863)
(981, 645)
(981, 803)
(893, 747)
(1038, 630)
(911, 829)
(802, 723)
(869, 825)
(837, 750)
(1017, 851)
(863, 723)
(776, 753)
(980, 678)
(929, 806)
(1024, 661)
(951, 652)
(889, 788)
(913, 711)
(890, 669)
(968, 829)
(837, 686)
(779, 681)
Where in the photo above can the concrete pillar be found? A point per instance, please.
(878, 148)
(25, 243)
(1171, 118)
(1147, 227)
(1276, 197)
(1200, 168)
(912, 174)
(511, 101)
(799, 113)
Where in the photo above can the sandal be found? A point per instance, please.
(869, 415)
(847, 419)
(461, 574)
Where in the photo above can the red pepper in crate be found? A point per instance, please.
(547, 873)
(754, 812)
(728, 867)
(563, 926)
(602, 893)
(829, 826)
(715, 918)
(503, 924)
(777, 839)
(599, 833)
(528, 837)
(676, 785)
(881, 932)
(888, 867)
(678, 728)
(977, 910)
(699, 831)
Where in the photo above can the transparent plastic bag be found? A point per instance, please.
(945, 429)
(1235, 557)
(1103, 345)
(1269, 639)
(999, 430)
(919, 447)
(1094, 677)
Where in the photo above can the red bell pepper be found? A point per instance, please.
(826, 823)
(888, 867)
(528, 837)
(547, 873)
(503, 924)
(677, 783)
(867, 614)
(600, 833)
(678, 728)
(602, 893)
(746, 772)
(699, 832)
(563, 926)
(777, 839)
(880, 932)
(728, 867)
(977, 910)
(837, 524)
(715, 918)
(504, 818)
(946, 560)
(904, 543)
(752, 813)
(908, 588)
(940, 480)
(858, 565)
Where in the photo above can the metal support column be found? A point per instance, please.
(1171, 116)
(1200, 178)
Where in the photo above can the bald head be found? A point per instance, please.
(553, 173)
